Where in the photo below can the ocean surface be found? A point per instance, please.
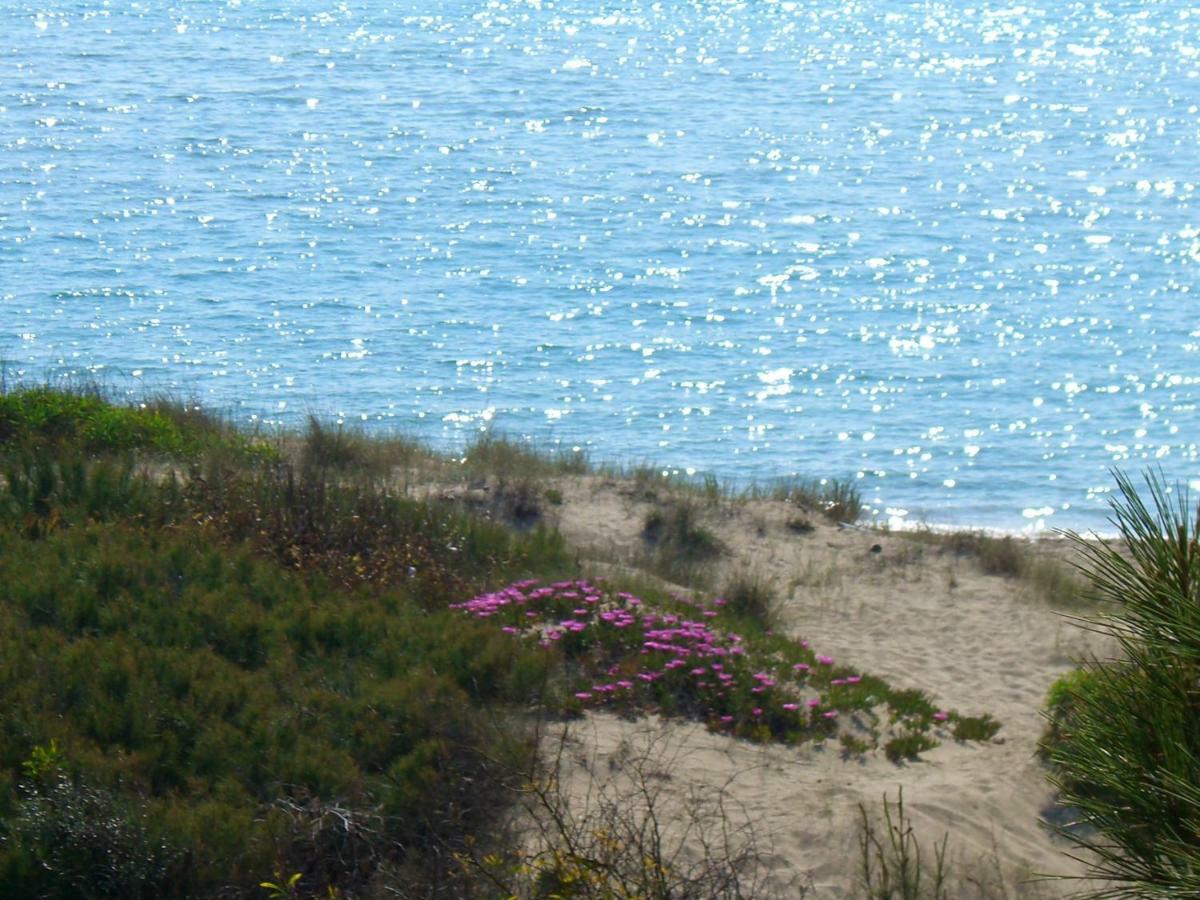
(945, 249)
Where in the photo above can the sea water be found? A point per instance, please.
(943, 249)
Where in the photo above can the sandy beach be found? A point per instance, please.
(911, 609)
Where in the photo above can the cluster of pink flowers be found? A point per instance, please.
(682, 654)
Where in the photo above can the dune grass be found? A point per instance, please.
(1043, 576)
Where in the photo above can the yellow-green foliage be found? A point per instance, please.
(85, 422)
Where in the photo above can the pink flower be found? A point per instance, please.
(814, 702)
(757, 711)
(941, 716)
(825, 660)
(582, 695)
(831, 714)
(791, 707)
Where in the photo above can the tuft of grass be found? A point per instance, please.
(679, 545)
(800, 525)
(497, 456)
(677, 527)
(333, 447)
(1055, 583)
(891, 866)
(518, 473)
(749, 595)
(838, 500)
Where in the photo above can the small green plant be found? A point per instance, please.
(908, 746)
(282, 890)
(853, 745)
(974, 728)
(45, 760)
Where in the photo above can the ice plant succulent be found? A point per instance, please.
(688, 661)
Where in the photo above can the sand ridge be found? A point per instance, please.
(905, 610)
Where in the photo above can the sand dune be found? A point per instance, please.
(911, 611)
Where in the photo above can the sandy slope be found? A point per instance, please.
(909, 612)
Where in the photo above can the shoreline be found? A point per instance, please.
(883, 513)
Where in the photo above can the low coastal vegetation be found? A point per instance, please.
(236, 665)
(228, 661)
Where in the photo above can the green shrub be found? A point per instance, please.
(84, 421)
(1124, 737)
(71, 839)
(183, 679)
